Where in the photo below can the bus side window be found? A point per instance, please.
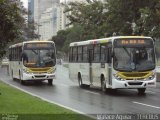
(85, 54)
(80, 55)
(75, 56)
(70, 55)
(103, 53)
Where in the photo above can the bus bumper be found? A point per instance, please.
(38, 76)
(133, 83)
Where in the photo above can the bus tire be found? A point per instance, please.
(103, 84)
(50, 82)
(141, 91)
(80, 80)
(22, 82)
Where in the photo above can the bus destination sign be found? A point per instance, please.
(126, 42)
(133, 42)
(38, 45)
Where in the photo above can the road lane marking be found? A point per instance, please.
(146, 105)
(44, 99)
(150, 92)
(64, 85)
(92, 92)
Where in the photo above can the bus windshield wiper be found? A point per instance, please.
(35, 52)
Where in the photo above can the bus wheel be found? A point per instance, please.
(80, 81)
(141, 90)
(50, 82)
(22, 82)
(103, 84)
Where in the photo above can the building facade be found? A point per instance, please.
(40, 11)
(48, 23)
(49, 16)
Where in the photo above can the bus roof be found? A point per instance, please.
(33, 41)
(103, 40)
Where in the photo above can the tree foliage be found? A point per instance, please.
(90, 16)
(123, 17)
(11, 23)
(133, 17)
(64, 37)
(29, 31)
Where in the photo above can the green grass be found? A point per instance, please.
(27, 107)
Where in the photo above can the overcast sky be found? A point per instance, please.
(25, 3)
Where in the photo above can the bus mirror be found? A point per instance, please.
(22, 55)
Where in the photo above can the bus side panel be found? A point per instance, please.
(73, 69)
(82, 68)
(99, 69)
(14, 69)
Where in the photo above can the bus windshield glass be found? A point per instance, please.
(134, 55)
(39, 55)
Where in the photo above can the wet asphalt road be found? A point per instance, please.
(91, 100)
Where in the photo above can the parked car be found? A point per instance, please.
(5, 62)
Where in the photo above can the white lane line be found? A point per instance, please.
(146, 105)
(150, 92)
(92, 92)
(44, 99)
(64, 85)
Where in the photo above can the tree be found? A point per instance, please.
(64, 37)
(90, 16)
(29, 31)
(11, 23)
(134, 17)
(123, 17)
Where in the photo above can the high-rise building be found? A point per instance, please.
(37, 7)
(40, 11)
(48, 23)
(49, 16)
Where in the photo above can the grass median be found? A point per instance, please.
(22, 106)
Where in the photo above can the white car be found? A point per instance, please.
(5, 62)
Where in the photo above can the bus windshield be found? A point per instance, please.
(38, 57)
(132, 58)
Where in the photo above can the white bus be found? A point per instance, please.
(114, 63)
(33, 60)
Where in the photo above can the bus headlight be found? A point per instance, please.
(51, 71)
(151, 77)
(27, 71)
(118, 77)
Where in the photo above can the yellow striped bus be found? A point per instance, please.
(33, 60)
(114, 63)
